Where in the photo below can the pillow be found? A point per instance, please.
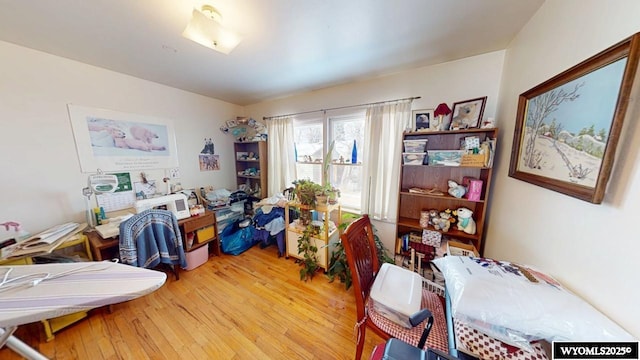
(525, 301)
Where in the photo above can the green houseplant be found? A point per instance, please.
(305, 191)
(309, 262)
(311, 194)
(338, 265)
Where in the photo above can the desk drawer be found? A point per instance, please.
(197, 222)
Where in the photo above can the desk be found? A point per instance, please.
(105, 249)
(62, 289)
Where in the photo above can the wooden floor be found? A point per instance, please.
(251, 306)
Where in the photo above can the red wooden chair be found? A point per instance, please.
(360, 248)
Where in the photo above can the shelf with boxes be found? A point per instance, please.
(445, 185)
(199, 238)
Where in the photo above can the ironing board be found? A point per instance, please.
(30, 293)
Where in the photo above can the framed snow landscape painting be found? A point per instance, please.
(567, 128)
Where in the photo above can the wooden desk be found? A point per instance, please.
(104, 249)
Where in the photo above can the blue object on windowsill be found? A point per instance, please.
(354, 153)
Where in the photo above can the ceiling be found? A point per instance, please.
(289, 46)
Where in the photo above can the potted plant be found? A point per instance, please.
(309, 262)
(338, 265)
(329, 191)
(305, 191)
(332, 195)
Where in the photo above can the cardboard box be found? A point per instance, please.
(197, 257)
(473, 160)
(396, 293)
(474, 190)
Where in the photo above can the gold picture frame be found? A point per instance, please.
(567, 128)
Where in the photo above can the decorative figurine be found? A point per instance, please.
(456, 190)
(465, 221)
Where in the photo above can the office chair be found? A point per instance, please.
(360, 249)
(150, 238)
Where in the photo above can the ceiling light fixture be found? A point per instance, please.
(206, 29)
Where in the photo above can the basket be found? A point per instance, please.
(461, 249)
(433, 287)
(473, 160)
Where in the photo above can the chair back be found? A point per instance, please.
(360, 248)
(150, 238)
(288, 193)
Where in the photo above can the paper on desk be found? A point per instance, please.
(43, 243)
(51, 235)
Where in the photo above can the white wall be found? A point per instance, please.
(450, 82)
(592, 249)
(41, 181)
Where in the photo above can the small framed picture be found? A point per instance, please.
(467, 114)
(232, 123)
(422, 119)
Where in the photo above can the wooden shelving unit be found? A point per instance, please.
(245, 166)
(410, 205)
(325, 241)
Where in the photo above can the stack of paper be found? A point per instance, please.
(44, 242)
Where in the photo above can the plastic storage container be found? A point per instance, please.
(413, 158)
(396, 293)
(197, 257)
(415, 146)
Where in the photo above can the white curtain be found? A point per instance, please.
(282, 164)
(384, 125)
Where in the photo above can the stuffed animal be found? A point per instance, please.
(442, 222)
(446, 221)
(456, 190)
(452, 215)
(465, 221)
(433, 215)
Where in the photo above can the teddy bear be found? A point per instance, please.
(433, 215)
(442, 222)
(465, 221)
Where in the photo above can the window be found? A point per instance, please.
(312, 138)
(309, 149)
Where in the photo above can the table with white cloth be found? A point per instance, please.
(30, 293)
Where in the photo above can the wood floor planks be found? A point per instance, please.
(251, 306)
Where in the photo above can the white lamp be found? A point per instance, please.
(205, 29)
(99, 183)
